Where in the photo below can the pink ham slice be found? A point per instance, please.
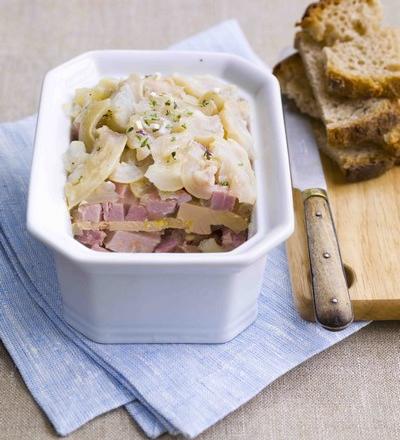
(98, 248)
(136, 212)
(89, 213)
(157, 208)
(231, 240)
(122, 189)
(113, 211)
(124, 192)
(180, 196)
(91, 238)
(170, 242)
(222, 201)
(122, 241)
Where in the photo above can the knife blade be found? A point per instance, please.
(331, 299)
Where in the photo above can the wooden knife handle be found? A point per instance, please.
(332, 304)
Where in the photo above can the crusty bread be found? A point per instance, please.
(362, 163)
(348, 122)
(330, 20)
(356, 164)
(365, 67)
(294, 84)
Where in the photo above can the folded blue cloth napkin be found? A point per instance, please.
(166, 388)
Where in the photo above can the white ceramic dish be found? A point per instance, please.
(121, 297)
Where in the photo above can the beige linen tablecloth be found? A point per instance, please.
(351, 391)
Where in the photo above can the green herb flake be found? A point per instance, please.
(173, 139)
(224, 183)
(189, 114)
(173, 154)
(184, 126)
(145, 143)
(168, 102)
(175, 105)
(204, 103)
(129, 129)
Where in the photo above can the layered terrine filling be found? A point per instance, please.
(160, 164)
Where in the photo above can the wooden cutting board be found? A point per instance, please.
(367, 218)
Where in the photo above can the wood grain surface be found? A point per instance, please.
(367, 219)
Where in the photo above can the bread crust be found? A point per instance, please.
(364, 120)
(352, 86)
(294, 84)
(316, 23)
(356, 164)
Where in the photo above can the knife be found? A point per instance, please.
(332, 305)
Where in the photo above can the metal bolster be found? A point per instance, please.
(314, 192)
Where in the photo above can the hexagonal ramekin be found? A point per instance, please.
(133, 297)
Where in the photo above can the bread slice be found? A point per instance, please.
(362, 163)
(328, 21)
(365, 67)
(348, 122)
(294, 84)
(356, 164)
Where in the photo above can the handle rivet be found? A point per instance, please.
(334, 300)
(318, 214)
(326, 255)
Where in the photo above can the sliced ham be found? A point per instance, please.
(122, 241)
(170, 242)
(89, 212)
(222, 201)
(122, 189)
(157, 208)
(180, 196)
(113, 211)
(231, 240)
(98, 248)
(135, 212)
(91, 238)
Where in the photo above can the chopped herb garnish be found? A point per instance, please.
(167, 112)
(168, 102)
(168, 126)
(129, 129)
(144, 143)
(173, 139)
(173, 154)
(139, 138)
(204, 103)
(189, 113)
(184, 126)
(175, 105)
(153, 102)
(224, 183)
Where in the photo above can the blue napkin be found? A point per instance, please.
(166, 388)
